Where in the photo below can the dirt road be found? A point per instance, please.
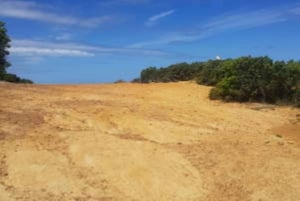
(144, 142)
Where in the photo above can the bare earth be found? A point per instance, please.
(144, 142)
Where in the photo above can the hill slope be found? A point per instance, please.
(144, 142)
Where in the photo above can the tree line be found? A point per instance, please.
(4, 64)
(245, 79)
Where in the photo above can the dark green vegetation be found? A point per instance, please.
(8, 77)
(119, 81)
(4, 45)
(173, 73)
(4, 64)
(245, 79)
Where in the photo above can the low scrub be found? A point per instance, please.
(245, 79)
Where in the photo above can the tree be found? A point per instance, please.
(4, 64)
(149, 75)
(8, 77)
(209, 73)
(4, 45)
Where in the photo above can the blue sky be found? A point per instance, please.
(80, 41)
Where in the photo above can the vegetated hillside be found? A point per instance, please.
(144, 142)
(245, 79)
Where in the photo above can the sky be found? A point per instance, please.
(99, 41)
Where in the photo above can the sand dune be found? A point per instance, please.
(144, 142)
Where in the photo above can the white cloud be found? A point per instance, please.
(220, 24)
(64, 37)
(123, 2)
(33, 11)
(245, 20)
(33, 60)
(43, 48)
(153, 20)
(48, 51)
(170, 38)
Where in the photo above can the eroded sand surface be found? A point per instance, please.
(144, 142)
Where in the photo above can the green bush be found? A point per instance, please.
(173, 73)
(245, 79)
(26, 81)
(119, 81)
(257, 80)
(136, 80)
(296, 97)
(11, 78)
(8, 77)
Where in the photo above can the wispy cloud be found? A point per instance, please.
(229, 22)
(64, 37)
(43, 48)
(31, 10)
(295, 11)
(123, 2)
(154, 19)
(32, 60)
(29, 51)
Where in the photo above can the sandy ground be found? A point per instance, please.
(144, 142)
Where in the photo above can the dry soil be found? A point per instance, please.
(144, 142)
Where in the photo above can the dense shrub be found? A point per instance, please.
(245, 79)
(8, 77)
(296, 98)
(173, 73)
(260, 80)
(119, 81)
(209, 74)
(136, 80)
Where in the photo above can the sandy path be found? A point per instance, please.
(144, 142)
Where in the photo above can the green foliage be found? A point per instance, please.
(245, 79)
(173, 73)
(8, 77)
(259, 79)
(136, 80)
(4, 64)
(148, 75)
(4, 45)
(26, 81)
(119, 81)
(11, 78)
(296, 97)
(209, 74)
